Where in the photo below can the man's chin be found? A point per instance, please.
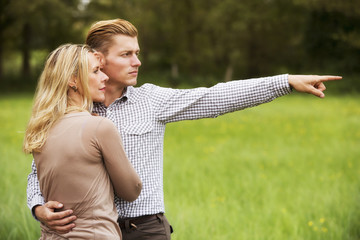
(132, 82)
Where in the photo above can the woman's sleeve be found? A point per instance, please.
(126, 181)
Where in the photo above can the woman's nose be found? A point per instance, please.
(104, 77)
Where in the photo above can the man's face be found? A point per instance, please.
(122, 62)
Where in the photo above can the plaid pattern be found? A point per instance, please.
(141, 115)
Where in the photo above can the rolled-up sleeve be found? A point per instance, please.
(34, 196)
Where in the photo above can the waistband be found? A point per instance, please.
(132, 222)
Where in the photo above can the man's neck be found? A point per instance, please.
(112, 93)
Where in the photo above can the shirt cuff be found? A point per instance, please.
(36, 201)
(281, 85)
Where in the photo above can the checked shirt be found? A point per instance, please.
(141, 115)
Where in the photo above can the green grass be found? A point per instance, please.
(285, 170)
(16, 221)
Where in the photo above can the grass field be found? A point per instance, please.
(286, 170)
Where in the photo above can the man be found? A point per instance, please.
(141, 115)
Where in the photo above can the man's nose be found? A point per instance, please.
(136, 61)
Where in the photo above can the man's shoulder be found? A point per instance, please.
(145, 86)
(148, 90)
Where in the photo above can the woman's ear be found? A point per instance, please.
(73, 84)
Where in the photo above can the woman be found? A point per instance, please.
(77, 155)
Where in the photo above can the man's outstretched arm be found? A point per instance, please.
(45, 212)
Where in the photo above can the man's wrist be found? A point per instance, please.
(35, 200)
(33, 211)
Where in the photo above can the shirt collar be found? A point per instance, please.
(127, 96)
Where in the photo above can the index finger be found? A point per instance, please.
(60, 215)
(64, 229)
(329, 78)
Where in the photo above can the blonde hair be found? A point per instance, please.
(51, 101)
(101, 33)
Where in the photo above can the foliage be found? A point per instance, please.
(203, 39)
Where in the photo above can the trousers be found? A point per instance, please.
(150, 227)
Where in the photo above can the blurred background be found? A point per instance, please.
(288, 170)
(192, 43)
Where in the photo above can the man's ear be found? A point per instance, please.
(101, 58)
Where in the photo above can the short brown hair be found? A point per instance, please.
(101, 33)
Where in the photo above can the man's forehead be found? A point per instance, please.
(125, 43)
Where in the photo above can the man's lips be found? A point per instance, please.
(133, 72)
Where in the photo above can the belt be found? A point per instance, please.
(132, 222)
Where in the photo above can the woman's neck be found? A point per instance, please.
(75, 102)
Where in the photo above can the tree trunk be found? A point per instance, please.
(174, 77)
(174, 71)
(1, 56)
(5, 21)
(229, 73)
(26, 37)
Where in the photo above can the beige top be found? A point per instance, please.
(82, 156)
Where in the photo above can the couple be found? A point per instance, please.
(140, 115)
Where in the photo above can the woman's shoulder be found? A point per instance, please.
(89, 121)
(102, 124)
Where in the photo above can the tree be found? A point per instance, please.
(332, 34)
(6, 20)
(41, 25)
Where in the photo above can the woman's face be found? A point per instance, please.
(97, 79)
